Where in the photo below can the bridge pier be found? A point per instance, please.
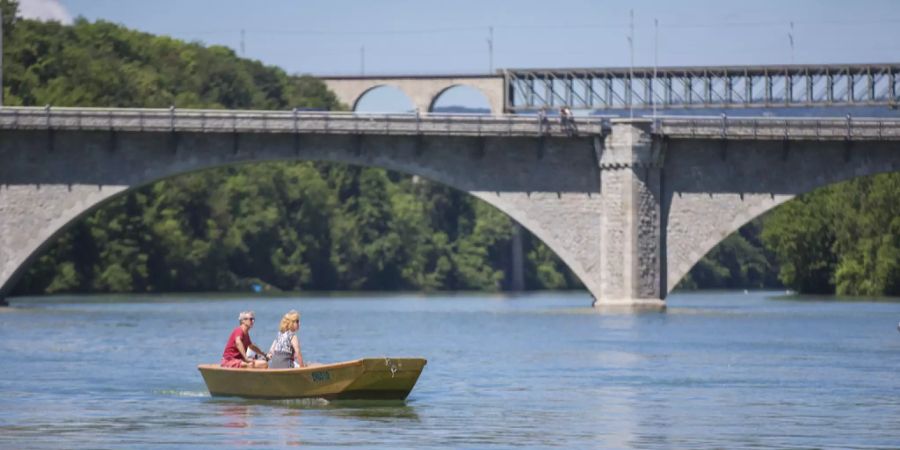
(632, 247)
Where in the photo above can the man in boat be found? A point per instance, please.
(235, 354)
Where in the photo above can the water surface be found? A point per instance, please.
(724, 369)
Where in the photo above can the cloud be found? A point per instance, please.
(44, 10)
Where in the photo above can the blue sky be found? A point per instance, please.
(426, 36)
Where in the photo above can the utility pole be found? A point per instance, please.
(490, 43)
(791, 39)
(631, 65)
(655, 63)
(243, 53)
(362, 60)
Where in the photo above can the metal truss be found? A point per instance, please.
(703, 87)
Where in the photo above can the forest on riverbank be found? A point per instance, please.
(321, 226)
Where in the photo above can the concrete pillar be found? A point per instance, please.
(632, 247)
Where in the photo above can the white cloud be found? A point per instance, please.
(44, 10)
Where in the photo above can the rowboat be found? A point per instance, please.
(368, 378)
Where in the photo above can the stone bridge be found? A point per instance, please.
(423, 90)
(621, 88)
(630, 205)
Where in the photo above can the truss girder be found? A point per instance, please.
(703, 87)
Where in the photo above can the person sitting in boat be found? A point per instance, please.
(286, 347)
(235, 354)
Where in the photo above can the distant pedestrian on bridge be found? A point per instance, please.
(567, 121)
(543, 120)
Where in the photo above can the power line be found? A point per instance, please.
(593, 26)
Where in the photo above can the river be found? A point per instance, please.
(716, 369)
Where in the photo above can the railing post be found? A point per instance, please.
(418, 121)
(724, 125)
(849, 127)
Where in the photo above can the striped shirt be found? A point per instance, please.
(283, 343)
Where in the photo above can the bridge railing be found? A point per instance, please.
(236, 121)
(785, 128)
(351, 123)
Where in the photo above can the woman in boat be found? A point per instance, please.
(235, 354)
(286, 347)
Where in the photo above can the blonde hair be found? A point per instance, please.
(287, 320)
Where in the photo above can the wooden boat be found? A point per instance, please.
(369, 378)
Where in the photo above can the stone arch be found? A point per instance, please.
(392, 87)
(422, 90)
(475, 89)
(701, 210)
(63, 196)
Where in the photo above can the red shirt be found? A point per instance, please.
(231, 350)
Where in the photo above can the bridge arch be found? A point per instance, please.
(467, 97)
(391, 95)
(422, 90)
(753, 179)
(114, 196)
(65, 193)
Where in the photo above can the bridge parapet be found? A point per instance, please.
(432, 124)
(222, 121)
(779, 128)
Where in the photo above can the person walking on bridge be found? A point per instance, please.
(235, 353)
(567, 121)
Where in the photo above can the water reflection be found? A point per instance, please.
(235, 416)
(238, 412)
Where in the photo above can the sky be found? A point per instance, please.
(350, 37)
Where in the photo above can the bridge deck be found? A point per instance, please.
(296, 122)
